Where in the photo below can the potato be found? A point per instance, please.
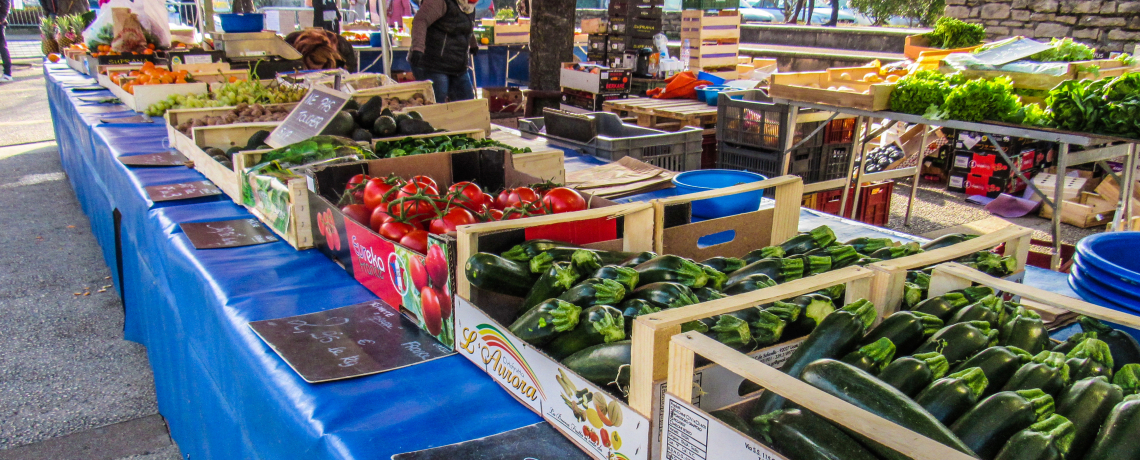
(845, 76)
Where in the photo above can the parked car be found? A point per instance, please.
(821, 14)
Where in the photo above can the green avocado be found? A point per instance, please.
(230, 152)
(361, 135)
(340, 125)
(385, 126)
(402, 116)
(415, 115)
(351, 105)
(256, 139)
(370, 111)
(387, 112)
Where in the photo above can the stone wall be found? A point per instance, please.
(1105, 24)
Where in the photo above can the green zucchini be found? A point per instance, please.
(912, 294)
(1087, 404)
(767, 328)
(734, 420)
(706, 294)
(833, 292)
(789, 312)
(906, 329)
(1026, 331)
(716, 278)
(597, 325)
(958, 342)
(768, 252)
(725, 265)
(896, 252)
(975, 293)
(815, 308)
(1090, 358)
(1045, 440)
(604, 365)
(632, 308)
(801, 435)
(546, 320)
(527, 250)
(496, 274)
(604, 257)
(813, 265)
(951, 396)
(1117, 441)
(665, 294)
(946, 241)
(585, 261)
(866, 392)
(541, 263)
(992, 422)
(673, 269)
(999, 365)
(865, 245)
(638, 259)
(779, 269)
(594, 291)
(628, 277)
(749, 283)
(1070, 343)
(819, 237)
(943, 306)
(873, 356)
(1128, 378)
(732, 331)
(988, 310)
(557, 279)
(911, 374)
(1047, 372)
(841, 256)
(1124, 347)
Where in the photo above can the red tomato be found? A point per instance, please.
(522, 195)
(418, 272)
(433, 319)
(513, 213)
(395, 231)
(496, 214)
(454, 217)
(374, 192)
(469, 195)
(415, 240)
(379, 217)
(561, 199)
(411, 188)
(355, 185)
(356, 212)
(415, 210)
(488, 200)
(437, 267)
(355, 180)
(444, 302)
(425, 181)
(501, 201)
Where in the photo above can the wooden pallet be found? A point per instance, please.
(651, 113)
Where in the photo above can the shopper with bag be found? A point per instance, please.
(443, 35)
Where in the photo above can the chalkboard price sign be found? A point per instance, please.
(154, 159)
(346, 342)
(227, 233)
(183, 191)
(309, 117)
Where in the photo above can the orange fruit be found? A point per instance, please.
(233, 79)
(53, 57)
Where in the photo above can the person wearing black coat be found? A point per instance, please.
(5, 7)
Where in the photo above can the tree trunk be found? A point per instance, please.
(551, 41)
(795, 15)
(834, 14)
(66, 7)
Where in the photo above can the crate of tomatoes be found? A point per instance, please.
(391, 222)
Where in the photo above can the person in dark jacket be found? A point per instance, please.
(5, 6)
(443, 34)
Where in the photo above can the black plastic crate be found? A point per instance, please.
(833, 161)
(813, 164)
(756, 122)
(770, 163)
(635, 8)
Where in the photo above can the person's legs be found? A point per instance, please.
(460, 88)
(4, 53)
(439, 82)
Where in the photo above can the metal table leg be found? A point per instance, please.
(917, 173)
(1127, 187)
(1058, 199)
(861, 124)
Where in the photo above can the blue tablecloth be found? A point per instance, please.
(224, 393)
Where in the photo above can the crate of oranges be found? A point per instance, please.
(139, 88)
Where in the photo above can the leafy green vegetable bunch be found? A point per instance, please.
(1065, 50)
(981, 99)
(950, 33)
(915, 93)
(421, 145)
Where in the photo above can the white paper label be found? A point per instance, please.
(692, 434)
(198, 59)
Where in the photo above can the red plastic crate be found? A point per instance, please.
(874, 202)
(839, 131)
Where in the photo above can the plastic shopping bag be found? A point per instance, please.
(151, 13)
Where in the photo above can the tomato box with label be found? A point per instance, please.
(397, 273)
(528, 371)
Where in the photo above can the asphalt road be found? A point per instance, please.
(64, 366)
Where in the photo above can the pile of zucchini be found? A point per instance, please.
(965, 369)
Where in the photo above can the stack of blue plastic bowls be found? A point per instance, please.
(1106, 271)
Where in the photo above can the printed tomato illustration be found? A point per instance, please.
(429, 300)
(418, 272)
(444, 301)
(437, 267)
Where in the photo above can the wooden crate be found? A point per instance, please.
(696, 26)
(1085, 211)
(888, 290)
(543, 162)
(291, 219)
(653, 113)
(222, 137)
(455, 116)
(76, 59)
(395, 96)
(511, 33)
(147, 95)
(713, 53)
(915, 45)
(813, 87)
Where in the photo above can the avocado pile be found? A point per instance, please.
(225, 157)
(371, 120)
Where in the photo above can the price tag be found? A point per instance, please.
(183, 191)
(347, 342)
(154, 159)
(309, 117)
(227, 233)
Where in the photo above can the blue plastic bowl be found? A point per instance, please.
(711, 179)
(708, 93)
(1113, 253)
(1090, 297)
(236, 23)
(1095, 277)
(710, 78)
(701, 93)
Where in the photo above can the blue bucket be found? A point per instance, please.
(710, 78)
(712, 179)
(236, 23)
(1113, 253)
(376, 40)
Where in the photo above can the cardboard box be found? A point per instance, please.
(991, 186)
(990, 164)
(980, 142)
(606, 81)
(594, 26)
(1072, 187)
(1085, 211)
(588, 101)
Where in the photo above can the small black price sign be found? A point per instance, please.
(183, 191)
(309, 117)
(227, 233)
(346, 342)
(154, 159)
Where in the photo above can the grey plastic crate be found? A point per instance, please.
(758, 123)
(675, 151)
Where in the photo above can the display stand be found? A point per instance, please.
(1109, 147)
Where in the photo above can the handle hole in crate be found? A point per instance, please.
(716, 238)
